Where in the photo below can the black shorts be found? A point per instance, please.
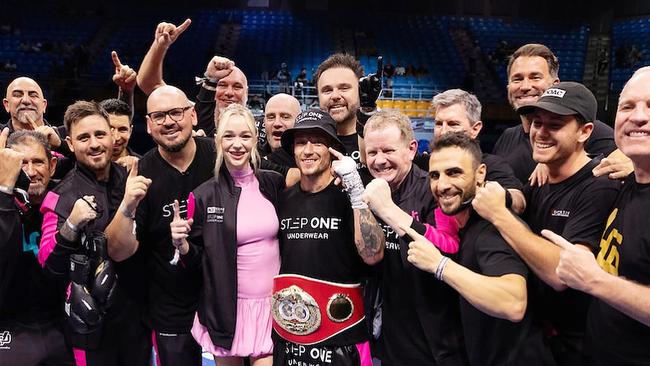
(27, 345)
(176, 349)
(290, 354)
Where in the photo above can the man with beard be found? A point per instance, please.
(618, 325)
(107, 329)
(532, 69)
(30, 299)
(410, 301)
(342, 89)
(120, 118)
(178, 164)
(223, 82)
(326, 241)
(458, 110)
(488, 275)
(26, 105)
(573, 202)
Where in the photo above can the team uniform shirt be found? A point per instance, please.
(413, 302)
(490, 340)
(317, 241)
(514, 146)
(498, 170)
(576, 209)
(173, 290)
(614, 338)
(351, 144)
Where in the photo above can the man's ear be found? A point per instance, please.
(53, 162)
(585, 131)
(69, 142)
(481, 173)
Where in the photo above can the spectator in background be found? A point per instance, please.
(119, 118)
(284, 77)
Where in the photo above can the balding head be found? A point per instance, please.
(280, 114)
(166, 94)
(170, 119)
(25, 103)
(231, 89)
(632, 126)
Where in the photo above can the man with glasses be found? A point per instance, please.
(103, 320)
(175, 167)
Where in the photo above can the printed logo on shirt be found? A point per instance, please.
(5, 339)
(560, 213)
(554, 92)
(214, 214)
(308, 225)
(168, 209)
(392, 239)
(299, 355)
(608, 257)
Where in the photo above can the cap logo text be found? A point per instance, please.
(553, 92)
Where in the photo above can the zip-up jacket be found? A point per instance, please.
(213, 205)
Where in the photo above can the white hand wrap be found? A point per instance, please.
(346, 169)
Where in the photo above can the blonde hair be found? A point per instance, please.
(234, 110)
(386, 118)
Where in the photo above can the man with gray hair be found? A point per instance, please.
(460, 111)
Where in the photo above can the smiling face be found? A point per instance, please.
(529, 78)
(25, 103)
(338, 93)
(173, 132)
(279, 115)
(454, 178)
(388, 156)
(556, 138)
(231, 89)
(121, 130)
(310, 149)
(91, 142)
(236, 143)
(632, 126)
(37, 166)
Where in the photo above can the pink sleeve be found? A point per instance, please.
(445, 234)
(49, 227)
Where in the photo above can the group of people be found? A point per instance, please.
(331, 241)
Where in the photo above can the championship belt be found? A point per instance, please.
(308, 311)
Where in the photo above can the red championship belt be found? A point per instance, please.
(308, 311)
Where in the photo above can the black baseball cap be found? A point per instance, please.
(566, 99)
(315, 120)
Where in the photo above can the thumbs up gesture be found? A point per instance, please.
(180, 230)
(136, 189)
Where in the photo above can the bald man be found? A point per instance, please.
(279, 115)
(173, 169)
(223, 82)
(26, 106)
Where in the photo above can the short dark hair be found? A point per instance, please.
(23, 137)
(82, 109)
(462, 141)
(116, 107)
(339, 60)
(536, 49)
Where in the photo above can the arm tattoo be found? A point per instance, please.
(372, 236)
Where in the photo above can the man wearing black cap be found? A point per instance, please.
(326, 245)
(573, 202)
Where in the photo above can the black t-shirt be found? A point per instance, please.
(514, 146)
(351, 144)
(490, 340)
(498, 169)
(173, 289)
(317, 240)
(614, 338)
(575, 208)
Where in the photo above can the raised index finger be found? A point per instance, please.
(336, 154)
(134, 169)
(116, 60)
(557, 239)
(412, 233)
(181, 28)
(177, 210)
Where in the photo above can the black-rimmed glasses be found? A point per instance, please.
(176, 115)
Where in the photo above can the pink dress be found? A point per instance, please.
(258, 261)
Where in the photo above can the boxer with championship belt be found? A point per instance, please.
(326, 246)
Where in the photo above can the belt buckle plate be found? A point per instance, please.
(296, 311)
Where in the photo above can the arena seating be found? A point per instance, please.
(625, 35)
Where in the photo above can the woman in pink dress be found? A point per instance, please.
(231, 231)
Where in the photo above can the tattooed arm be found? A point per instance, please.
(368, 236)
